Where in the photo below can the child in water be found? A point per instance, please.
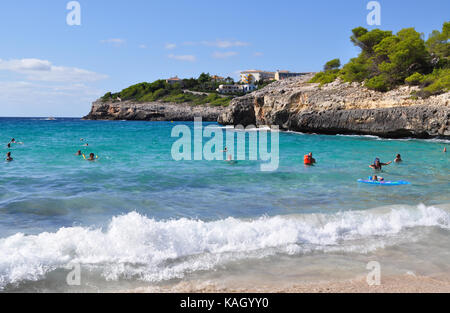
(92, 157)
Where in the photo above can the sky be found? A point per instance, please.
(49, 68)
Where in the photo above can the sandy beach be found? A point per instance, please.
(392, 284)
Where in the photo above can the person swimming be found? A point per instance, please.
(377, 165)
(8, 157)
(92, 157)
(9, 145)
(78, 153)
(14, 141)
(398, 159)
(376, 178)
(445, 149)
(309, 160)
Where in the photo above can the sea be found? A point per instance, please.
(138, 218)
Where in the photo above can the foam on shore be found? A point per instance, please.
(134, 246)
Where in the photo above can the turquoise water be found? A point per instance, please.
(138, 217)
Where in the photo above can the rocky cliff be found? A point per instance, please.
(342, 108)
(152, 111)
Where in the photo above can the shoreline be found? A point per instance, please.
(408, 283)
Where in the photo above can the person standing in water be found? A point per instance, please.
(309, 160)
(8, 157)
(398, 159)
(377, 165)
(445, 149)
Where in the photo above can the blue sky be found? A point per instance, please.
(48, 68)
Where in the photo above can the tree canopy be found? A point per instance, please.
(388, 60)
(160, 90)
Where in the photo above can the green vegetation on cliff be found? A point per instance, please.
(387, 61)
(204, 92)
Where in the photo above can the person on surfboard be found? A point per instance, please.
(376, 178)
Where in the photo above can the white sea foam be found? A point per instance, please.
(136, 246)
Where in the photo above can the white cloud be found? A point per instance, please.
(190, 58)
(116, 42)
(25, 65)
(225, 43)
(143, 46)
(258, 54)
(43, 70)
(224, 55)
(170, 46)
(22, 98)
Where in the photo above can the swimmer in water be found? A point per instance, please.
(92, 157)
(8, 157)
(14, 141)
(398, 159)
(9, 145)
(377, 165)
(445, 149)
(78, 153)
(309, 160)
(225, 150)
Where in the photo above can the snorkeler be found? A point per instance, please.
(398, 159)
(377, 165)
(308, 159)
(8, 157)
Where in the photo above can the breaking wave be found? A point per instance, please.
(136, 246)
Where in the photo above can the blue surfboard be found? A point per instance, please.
(384, 183)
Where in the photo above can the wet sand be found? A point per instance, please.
(392, 284)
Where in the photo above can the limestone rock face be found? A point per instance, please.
(345, 108)
(152, 111)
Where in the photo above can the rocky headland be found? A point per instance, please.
(342, 108)
(152, 111)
